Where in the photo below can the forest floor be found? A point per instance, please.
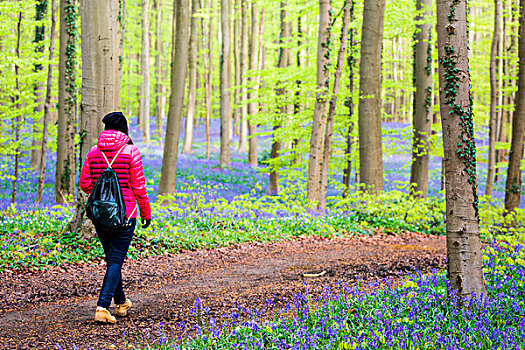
(39, 309)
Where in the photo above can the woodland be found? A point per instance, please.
(336, 174)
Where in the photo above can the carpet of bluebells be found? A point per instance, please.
(418, 313)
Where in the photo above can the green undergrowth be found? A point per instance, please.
(185, 221)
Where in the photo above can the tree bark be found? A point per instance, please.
(493, 100)
(463, 240)
(317, 138)
(370, 143)
(243, 140)
(207, 60)
(422, 119)
(284, 58)
(347, 173)
(513, 185)
(333, 103)
(100, 83)
(47, 104)
(237, 67)
(225, 84)
(501, 113)
(254, 87)
(179, 69)
(297, 108)
(159, 100)
(192, 89)
(18, 119)
(67, 100)
(36, 147)
(145, 86)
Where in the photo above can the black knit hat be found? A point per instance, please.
(116, 121)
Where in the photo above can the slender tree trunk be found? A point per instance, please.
(145, 86)
(347, 173)
(252, 92)
(284, 56)
(501, 113)
(317, 138)
(41, 10)
(243, 141)
(225, 84)
(17, 105)
(370, 144)
(422, 119)
(333, 103)
(207, 58)
(192, 89)
(47, 104)
(393, 111)
(493, 100)
(463, 239)
(67, 100)
(509, 49)
(209, 76)
(297, 108)
(100, 48)
(513, 185)
(237, 67)
(159, 103)
(179, 69)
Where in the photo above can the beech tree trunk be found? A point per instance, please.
(18, 120)
(297, 108)
(493, 100)
(100, 82)
(463, 240)
(254, 63)
(284, 58)
(317, 137)
(207, 58)
(159, 91)
(207, 38)
(67, 100)
(192, 89)
(237, 66)
(40, 29)
(370, 143)
(179, 69)
(501, 132)
(47, 104)
(243, 140)
(422, 119)
(513, 185)
(333, 103)
(225, 84)
(145, 86)
(347, 173)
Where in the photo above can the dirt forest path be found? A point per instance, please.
(41, 309)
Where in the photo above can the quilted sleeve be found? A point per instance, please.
(86, 181)
(138, 183)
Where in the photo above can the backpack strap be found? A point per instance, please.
(114, 158)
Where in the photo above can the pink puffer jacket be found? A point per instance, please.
(128, 167)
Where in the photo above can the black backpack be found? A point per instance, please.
(105, 206)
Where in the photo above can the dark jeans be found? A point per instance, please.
(116, 245)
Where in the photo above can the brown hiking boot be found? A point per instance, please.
(103, 316)
(122, 309)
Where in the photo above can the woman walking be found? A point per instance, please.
(116, 148)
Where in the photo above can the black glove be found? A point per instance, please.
(145, 222)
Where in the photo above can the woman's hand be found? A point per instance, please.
(145, 222)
